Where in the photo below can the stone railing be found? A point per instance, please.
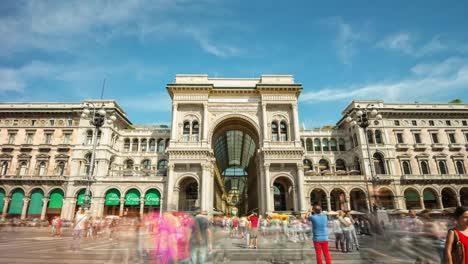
(436, 177)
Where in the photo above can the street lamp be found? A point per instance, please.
(97, 117)
(362, 117)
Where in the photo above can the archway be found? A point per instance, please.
(283, 198)
(80, 197)
(385, 198)
(318, 196)
(464, 196)
(338, 200)
(2, 198)
(188, 194)
(430, 199)
(36, 202)
(112, 202)
(235, 142)
(449, 198)
(132, 203)
(152, 201)
(16, 203)
(55, 203)
(358, 200)
(412, 199)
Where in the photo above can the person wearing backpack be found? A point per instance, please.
(456, 244)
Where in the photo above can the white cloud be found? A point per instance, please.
(400, 41)
(409, 44)
(428, 80)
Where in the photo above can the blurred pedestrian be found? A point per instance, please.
(78, 229)
(254, 219)
(320, 233)
(346, 226)
(200, 241)
(339, 236)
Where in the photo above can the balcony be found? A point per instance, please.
(8, 147)
(26, 147)
(437, 146)
(455, 146)
(27, 178)
(64, 147)
(44, 147)
(402, 146)
(420, 146)
(435, 177)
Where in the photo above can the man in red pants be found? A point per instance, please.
(320, 233)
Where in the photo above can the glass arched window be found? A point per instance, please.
(129, 164)
(161, 145)
(378, 137)
(135, 145)
(162, 164)
(324, 165)
(42, 169)
(307, 165)
(379, 164)
(460, 167)
(146, 164)
(352, 141)
(89, 137)
(341, 144)
(60, 168)
(333, 145)
(309, 144)
(99, 134)
(424, 168)
(23, 168)
(325, 145)
(186, 132)
(442, 167)
(195, 131)
(152, 145)
(284, 131)
(357, 164)
(317, 145)
(127, 145)
(370, 137)
(4, 168)
(340, 165)
(406, 168)
(356, 143)
(87, 162)
(274, 131)
(144, 143)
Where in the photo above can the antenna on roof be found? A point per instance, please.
(103, 85)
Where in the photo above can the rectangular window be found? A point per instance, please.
(66, 139)
(435, 138)
(15, 122)
(33, 122)
(431, 122)
(47, 138)
(466, 137)
(452, 138)
(11, 138)
(417, 138)
(414, 123)
(448, 123)
(396, 122)
(51, 122)
(464, 123)
(70, 122)
(400, 138)
(29, 138)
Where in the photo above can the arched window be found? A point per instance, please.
(144, 143)
(309, 144)
(357, 164)
(99, 134)
(4, 168)
(23, 167)
(352, 141)
(274, 131)
(317, 145)
(87, 162)
(152, 145)
(161, 145)
(378, 137)
(42, 169)
(146, 164)
(186, 131)
(307, 165)
(129, 164)
(333, 145)
(89, 137)
(135, 145)
(442, 167)
(379, 164)
(460, 167)
(195, 131)
(406, 167)
(341, 144)
(340, 165)
(162, 164)
(284, 131)
(60, 168)
(356, 143)
(302, 143)
(325, 145)
(424, 168)
(127, 145)
(370, 137)
(324, 165)
(110, 167)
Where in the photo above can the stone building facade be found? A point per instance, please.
(234, 145)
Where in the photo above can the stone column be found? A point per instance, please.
(421, 202)
(170, 203)
(297, 137)
(205, 122)
(269, 189)
(6, 202)
(121, 209)
(348, 203)
(367, 204)
(25, 207)
(458, 200)
(329, 203)
(295, 199)
(175, 197)
(440, 204)
(261, 187)
(45, 200)
(300, 188)
(174, 122)
(206, 190)
(142, 206)
(264, 121)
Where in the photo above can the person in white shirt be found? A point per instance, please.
(339, 237)
(350, 219)
(78, 227)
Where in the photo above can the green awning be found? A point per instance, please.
(2, 196)
(35, 205)
(112, 197)
(429, 196)
(81, 195)
(132, 197)
(16, 203)
(56, 199)
(411, 196)
(152, 197)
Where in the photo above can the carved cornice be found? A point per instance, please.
(189, 154)
(283, 154)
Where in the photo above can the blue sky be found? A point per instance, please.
(390, 50)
